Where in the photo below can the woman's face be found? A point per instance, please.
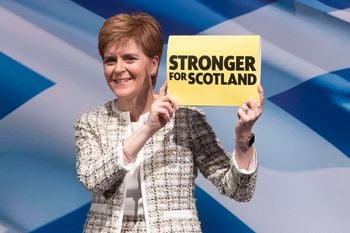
(128, 70)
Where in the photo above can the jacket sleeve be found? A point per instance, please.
(96, 161)
(215, 164)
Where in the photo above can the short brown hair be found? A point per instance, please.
(142, 27)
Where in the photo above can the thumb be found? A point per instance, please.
(163, 89)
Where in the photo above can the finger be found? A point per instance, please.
(167, 106)
(163, 89)
(165, 114)
(242, 115)
(173, 102)
(249, 111)
(261, 95)
(253, 106)
(164, 102)
(245, 108)
(160, 114)
(169, 99)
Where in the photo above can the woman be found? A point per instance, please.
(139, 154)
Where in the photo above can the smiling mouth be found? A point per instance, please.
(123, 80)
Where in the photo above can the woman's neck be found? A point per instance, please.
(136, 106)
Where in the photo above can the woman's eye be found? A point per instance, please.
(130, 59)
(109, 61)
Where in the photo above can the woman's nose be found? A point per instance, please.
(119, 67)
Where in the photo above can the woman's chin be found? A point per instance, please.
(120, 90)
(121, 95)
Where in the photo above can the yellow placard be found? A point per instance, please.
(213, 70)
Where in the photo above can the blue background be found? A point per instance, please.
(50, 73)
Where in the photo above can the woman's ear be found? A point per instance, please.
(155, 65)
(154, 70)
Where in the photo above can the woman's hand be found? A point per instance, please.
(248, 114)
(161, 111)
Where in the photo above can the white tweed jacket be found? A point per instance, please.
(172, 158)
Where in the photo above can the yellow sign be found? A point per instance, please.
(213, 70)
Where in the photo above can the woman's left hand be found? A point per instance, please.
(248, 114)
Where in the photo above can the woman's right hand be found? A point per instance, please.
(161, 111)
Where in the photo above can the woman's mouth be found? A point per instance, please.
(122, 80)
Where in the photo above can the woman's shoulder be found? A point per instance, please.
(98, 113)
(190, 112)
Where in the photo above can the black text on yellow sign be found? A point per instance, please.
(206, 70)
(213, 70)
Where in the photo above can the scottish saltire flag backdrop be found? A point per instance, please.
(50, 73)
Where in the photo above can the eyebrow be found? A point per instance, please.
(130, 54)
(105, 58)
(108, 56)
